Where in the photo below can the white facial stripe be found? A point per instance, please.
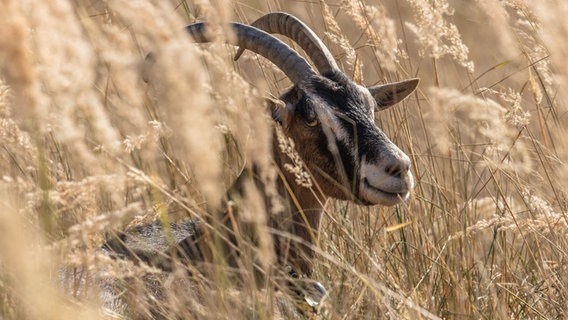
(329, 118)
(326, 117)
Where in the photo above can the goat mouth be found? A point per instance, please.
(371, 195)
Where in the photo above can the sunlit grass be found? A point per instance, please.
(87, 148)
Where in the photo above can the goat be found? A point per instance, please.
(331, 121)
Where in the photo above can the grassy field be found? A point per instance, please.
(87, 147)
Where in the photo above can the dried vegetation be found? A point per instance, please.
(88, 148)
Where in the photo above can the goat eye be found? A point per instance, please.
(312, 122)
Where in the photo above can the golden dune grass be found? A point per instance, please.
(87, 147)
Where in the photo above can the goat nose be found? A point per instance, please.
(398, 167)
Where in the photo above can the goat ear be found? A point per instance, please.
(281, 112)
(390, 94)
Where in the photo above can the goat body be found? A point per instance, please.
(330, 119)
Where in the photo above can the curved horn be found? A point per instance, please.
(291, 27)
(289, 61)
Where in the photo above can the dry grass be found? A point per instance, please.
(86, 147)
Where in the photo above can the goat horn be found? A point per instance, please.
(289, 61)
(291, 27)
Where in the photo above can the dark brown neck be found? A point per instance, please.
(301, 219)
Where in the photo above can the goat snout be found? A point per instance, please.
(386, 182)
(398, 167)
